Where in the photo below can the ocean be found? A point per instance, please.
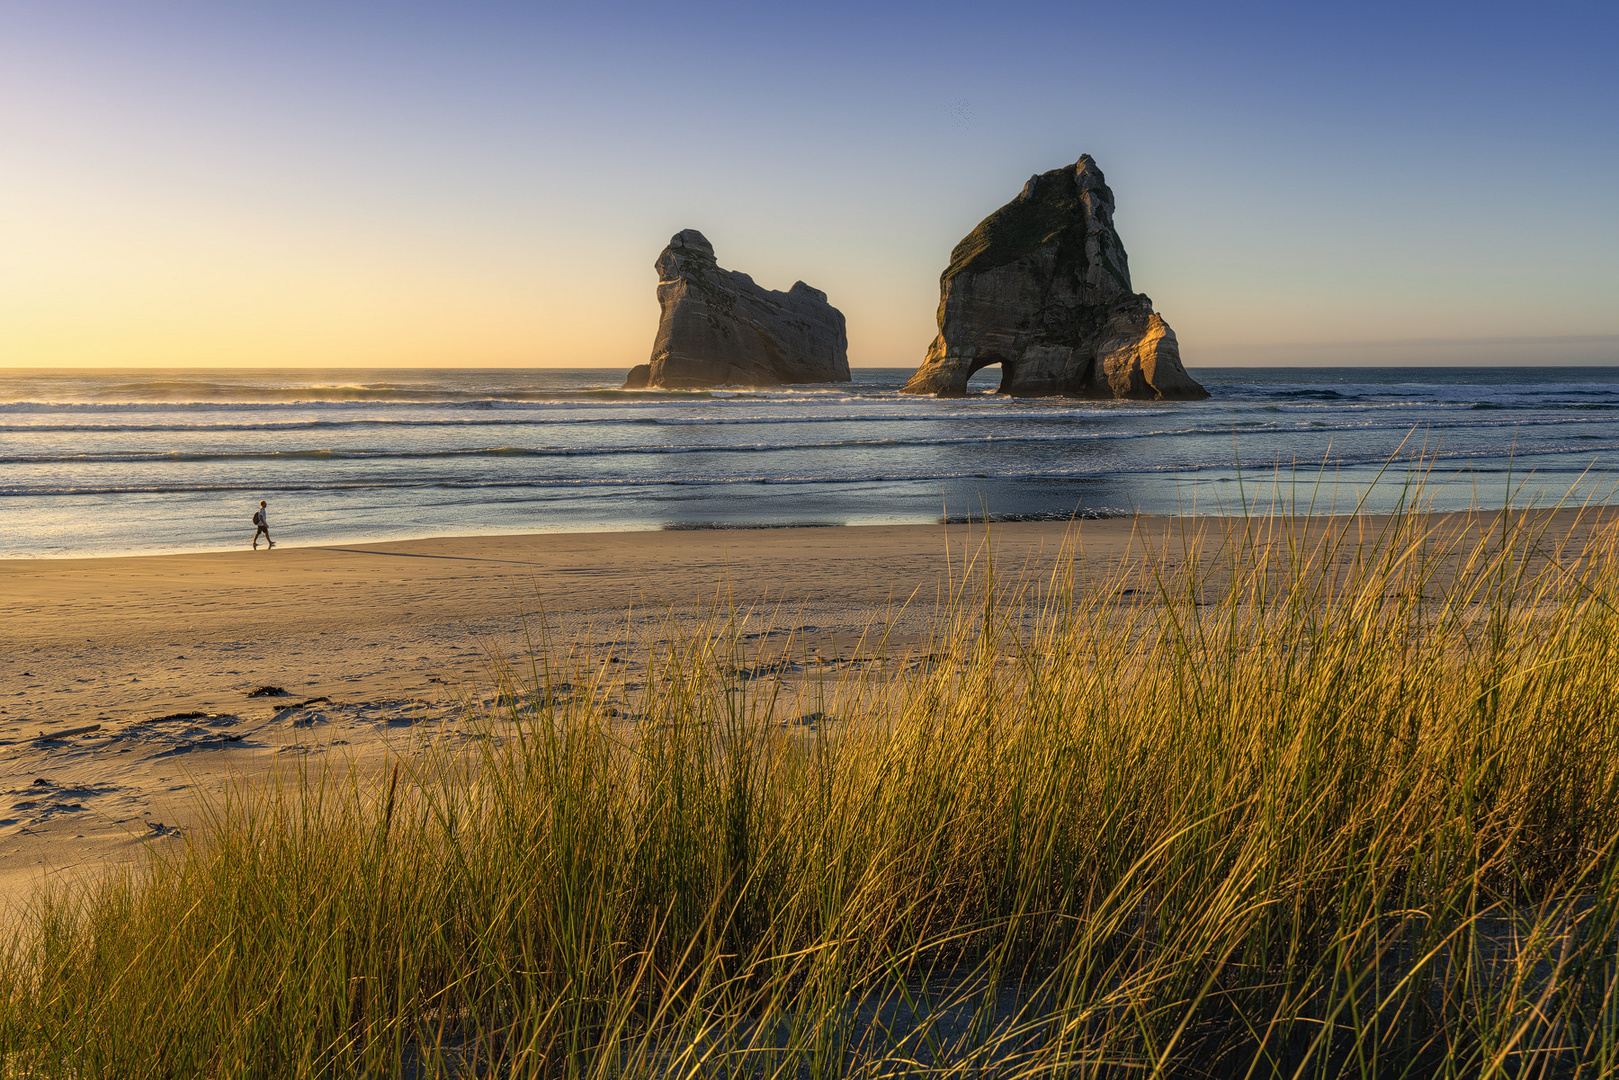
(128, 461)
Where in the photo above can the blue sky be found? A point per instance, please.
(488, 184)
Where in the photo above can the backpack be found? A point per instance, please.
(256, 517)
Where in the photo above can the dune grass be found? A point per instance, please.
(1322, 805)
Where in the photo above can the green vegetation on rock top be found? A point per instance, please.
(1021, 225)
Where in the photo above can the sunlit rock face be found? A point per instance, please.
(719, 328)
(1042, 287)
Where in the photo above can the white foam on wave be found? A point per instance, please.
(448, 446)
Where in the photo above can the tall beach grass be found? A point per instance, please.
(1282, 800)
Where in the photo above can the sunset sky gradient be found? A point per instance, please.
(487, 184)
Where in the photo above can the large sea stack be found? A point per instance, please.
(1042, 287)
(719, 328)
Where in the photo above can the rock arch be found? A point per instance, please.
(1007, 374)
(1042, 287)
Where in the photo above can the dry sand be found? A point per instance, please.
(397, 636)
(393, 639)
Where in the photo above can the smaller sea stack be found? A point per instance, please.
(720, 329)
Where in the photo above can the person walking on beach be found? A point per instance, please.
(261, 518)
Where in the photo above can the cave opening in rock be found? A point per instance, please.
(981, 379)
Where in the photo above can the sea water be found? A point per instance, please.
(102, 462)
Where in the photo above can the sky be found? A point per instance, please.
(488, 184)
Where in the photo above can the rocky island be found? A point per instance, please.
(1042, 288)
(719, 328)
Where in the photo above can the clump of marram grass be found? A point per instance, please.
(1301, 807)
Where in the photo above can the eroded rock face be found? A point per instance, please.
(719, 328)
(1042, 287)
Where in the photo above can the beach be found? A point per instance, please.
(373, 648)
(397, 636)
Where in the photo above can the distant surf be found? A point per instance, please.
(97, 462)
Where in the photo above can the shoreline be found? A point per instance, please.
(952, 521)
(119, 467)
(1065, 520)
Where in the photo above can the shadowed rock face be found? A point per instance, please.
(1042, 287)
(719, 328)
